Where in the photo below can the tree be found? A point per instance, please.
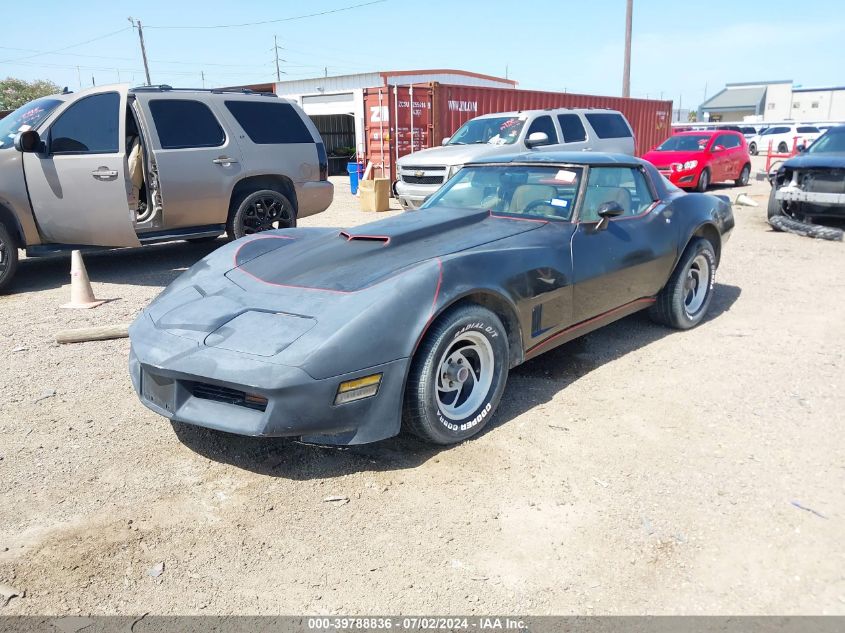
(15, 92)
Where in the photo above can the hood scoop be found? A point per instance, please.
(416, 226)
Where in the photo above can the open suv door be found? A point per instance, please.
(77, 183)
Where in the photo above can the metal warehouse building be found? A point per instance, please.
(336, 104)
(763, 101)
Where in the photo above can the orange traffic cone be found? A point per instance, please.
(81, 294)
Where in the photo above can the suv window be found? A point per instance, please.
(808, 129)
(777, 130)
(270, 122)
(571, 128)
(89, 126)
(183, 123)
(543, 124)
(608, 125)
(624, 185)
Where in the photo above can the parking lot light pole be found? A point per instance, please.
(626, 71)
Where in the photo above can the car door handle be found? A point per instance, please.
(586, 149)
(224, 160)
(104, 173)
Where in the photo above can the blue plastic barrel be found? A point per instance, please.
(356, 170)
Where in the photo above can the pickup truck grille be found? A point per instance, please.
(423, 174)
(422, 180)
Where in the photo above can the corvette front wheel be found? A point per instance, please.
(457, 376)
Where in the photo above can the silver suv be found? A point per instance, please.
(564, 129)
(113, 166)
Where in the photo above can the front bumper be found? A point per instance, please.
(297, 404)
(313, 197)
(793, 194)
(412, 196)
(683, 179)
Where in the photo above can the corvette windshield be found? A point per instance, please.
(519, 190)
(833, 142)
(493, 130)
(684, 143)
(26, 117)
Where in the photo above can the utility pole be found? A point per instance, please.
(79, 76)
(202, 74)
(276, 49)
(137, 25)
(626, 71)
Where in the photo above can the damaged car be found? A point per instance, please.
(346, 336)
(810, 187)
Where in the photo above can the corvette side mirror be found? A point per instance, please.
(606, 211)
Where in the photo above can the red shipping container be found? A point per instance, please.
(429, 112)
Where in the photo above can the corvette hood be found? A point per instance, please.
(348, 260)
(315, 298)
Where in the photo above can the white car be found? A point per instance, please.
(782, 138)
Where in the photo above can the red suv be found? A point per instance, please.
(692, 160)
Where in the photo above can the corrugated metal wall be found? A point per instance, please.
(438, 110)
(337, 131)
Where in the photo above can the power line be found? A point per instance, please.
(132, 59)
(57, 50)
(298, 17)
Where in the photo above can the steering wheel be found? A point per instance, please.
(534, 204)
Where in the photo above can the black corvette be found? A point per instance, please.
(343, 336)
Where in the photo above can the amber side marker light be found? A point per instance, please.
(250, 399)
(358, 389)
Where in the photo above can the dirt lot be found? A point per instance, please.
(638, 470)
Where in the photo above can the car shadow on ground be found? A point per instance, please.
(531, 384)
(154, 265)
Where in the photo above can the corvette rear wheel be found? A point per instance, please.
(457, 376)
(684, 300)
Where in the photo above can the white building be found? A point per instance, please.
(336, 104)
(769, 101)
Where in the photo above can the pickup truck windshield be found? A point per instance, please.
(493, 130)
(26, 117)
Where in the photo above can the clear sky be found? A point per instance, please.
(679, 48)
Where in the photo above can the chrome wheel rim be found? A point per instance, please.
(705, 180)
(464, 375)
(743, 176)
(696, 285)
(265, 214)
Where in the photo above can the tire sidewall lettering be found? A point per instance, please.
(480, 415)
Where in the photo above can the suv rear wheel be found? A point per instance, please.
(263, 210)
(8, 257)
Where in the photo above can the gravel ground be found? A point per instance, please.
(636, 470)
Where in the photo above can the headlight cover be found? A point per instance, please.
(454, 169)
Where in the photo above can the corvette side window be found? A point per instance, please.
(624, 185)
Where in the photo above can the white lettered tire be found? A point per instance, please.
(457, 376)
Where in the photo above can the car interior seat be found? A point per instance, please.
(524, 195)
(604, 189)
(135, 159)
